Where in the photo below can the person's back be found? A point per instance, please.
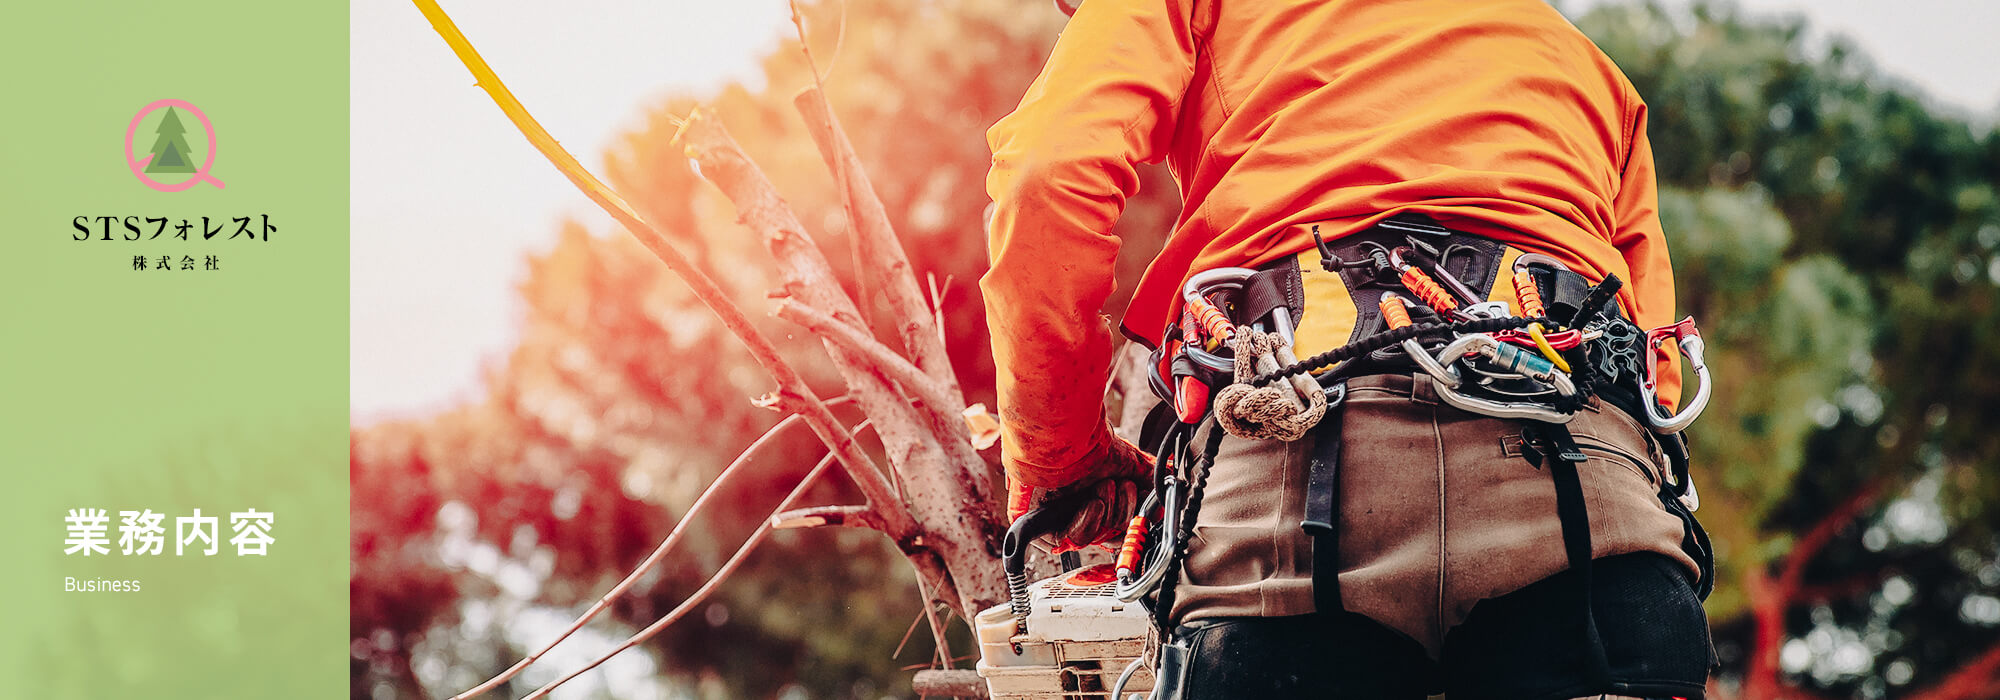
(1494, 118)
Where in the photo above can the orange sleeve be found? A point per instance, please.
(1063, 166)
(1640, 239)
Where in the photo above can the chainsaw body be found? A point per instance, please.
(1078, 638)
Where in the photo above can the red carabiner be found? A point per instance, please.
(1688, 338)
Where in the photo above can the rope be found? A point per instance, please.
(1163, 610)
(1264, 412)
(1385, 339)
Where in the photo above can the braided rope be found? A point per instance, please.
(1264, 412)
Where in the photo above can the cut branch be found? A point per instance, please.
(858, 341)
(853, 460)
(826, 516)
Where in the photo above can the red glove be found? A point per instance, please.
(1115, 482)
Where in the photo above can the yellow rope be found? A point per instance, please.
(1548, 351)
(490, 82)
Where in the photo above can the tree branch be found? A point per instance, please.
(887, 361)
(659, 553)
(858, 466)
(880, 248)
(728, 568)
(1824, 531)
(826, 516)
(927, 567)
(1976, 680)
(932, 455)
(1770, 597)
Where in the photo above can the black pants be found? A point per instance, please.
(1526, 645)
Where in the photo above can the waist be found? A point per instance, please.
(1155, 302)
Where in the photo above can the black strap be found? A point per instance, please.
(1322, 512)
(1694, 538)
(1554, 444)
(1197, 478)
(1276, 285)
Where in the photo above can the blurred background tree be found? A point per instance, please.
(1835, 234)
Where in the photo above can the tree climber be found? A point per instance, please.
(1460, 197)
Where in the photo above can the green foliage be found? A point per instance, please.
(1836, 235)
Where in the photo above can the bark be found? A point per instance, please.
(888, 266)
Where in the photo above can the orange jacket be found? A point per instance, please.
(1494, 117)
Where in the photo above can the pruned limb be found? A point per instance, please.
(881, 250)
(853, 460)
(826, 516)
(854, 339)
(931, 454)
(962, 683)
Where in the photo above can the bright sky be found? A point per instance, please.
(448, 198)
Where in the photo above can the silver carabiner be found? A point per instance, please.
(1510, 358)
(1526, 259)
(1688, 338)
(1206, 282)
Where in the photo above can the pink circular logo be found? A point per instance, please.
(170, 154)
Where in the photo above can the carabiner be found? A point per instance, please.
(1512, 359)
(1195, 292)
(1688, 338)
(1499, 409)
(1508, 358)
(1396, 313)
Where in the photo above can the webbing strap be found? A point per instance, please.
(1322, 512)
(1554, 442)
(1276, 285)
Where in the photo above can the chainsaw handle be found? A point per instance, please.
(1051, 516)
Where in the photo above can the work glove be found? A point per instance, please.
(1111, 488)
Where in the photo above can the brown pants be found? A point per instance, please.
(1438, 511)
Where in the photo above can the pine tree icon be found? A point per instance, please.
(171, 153)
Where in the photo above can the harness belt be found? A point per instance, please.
(1458, 278)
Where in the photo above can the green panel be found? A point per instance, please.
(172, 390)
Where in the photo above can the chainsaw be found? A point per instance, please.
(1065, 637)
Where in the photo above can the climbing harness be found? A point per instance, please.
(1228, 366)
